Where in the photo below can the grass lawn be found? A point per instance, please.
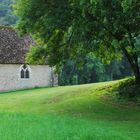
(85, 112)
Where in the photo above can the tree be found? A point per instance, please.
(91, 71)
(6, 15)
(73, 28)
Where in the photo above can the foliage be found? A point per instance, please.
(74, 28)
(128, 89)
(6, 15)
(92, 71)
(36, 56)
(89, 71)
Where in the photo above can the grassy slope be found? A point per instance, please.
(85, 112)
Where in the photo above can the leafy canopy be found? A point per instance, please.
(73, 28)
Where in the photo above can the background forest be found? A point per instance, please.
(6, 15)
(71, 71)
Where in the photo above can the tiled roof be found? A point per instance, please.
(12, 47)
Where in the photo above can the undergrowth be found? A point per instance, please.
(128, 89)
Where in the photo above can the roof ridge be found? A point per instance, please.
(7, 27)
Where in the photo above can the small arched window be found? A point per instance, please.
(27, 73)
(24, 72)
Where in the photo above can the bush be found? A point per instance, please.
(128, 89)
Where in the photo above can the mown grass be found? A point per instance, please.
(85, 112)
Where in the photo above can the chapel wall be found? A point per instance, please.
(40, 76)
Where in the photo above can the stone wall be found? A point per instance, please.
(40, 76)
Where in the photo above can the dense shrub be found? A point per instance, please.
(128, 89)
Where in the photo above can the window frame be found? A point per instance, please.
(24, 69)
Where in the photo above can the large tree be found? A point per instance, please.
(72, 28)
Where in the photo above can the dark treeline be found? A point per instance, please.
(92, 71)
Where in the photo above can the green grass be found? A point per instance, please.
(85, 112)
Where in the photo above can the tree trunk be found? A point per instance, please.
(137, 76)
(136, 72)
(133, 63)
(134, 57)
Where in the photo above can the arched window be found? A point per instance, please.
(27, 74)
(24, 72)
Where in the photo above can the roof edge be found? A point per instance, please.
(7, 27)
(24, 63)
